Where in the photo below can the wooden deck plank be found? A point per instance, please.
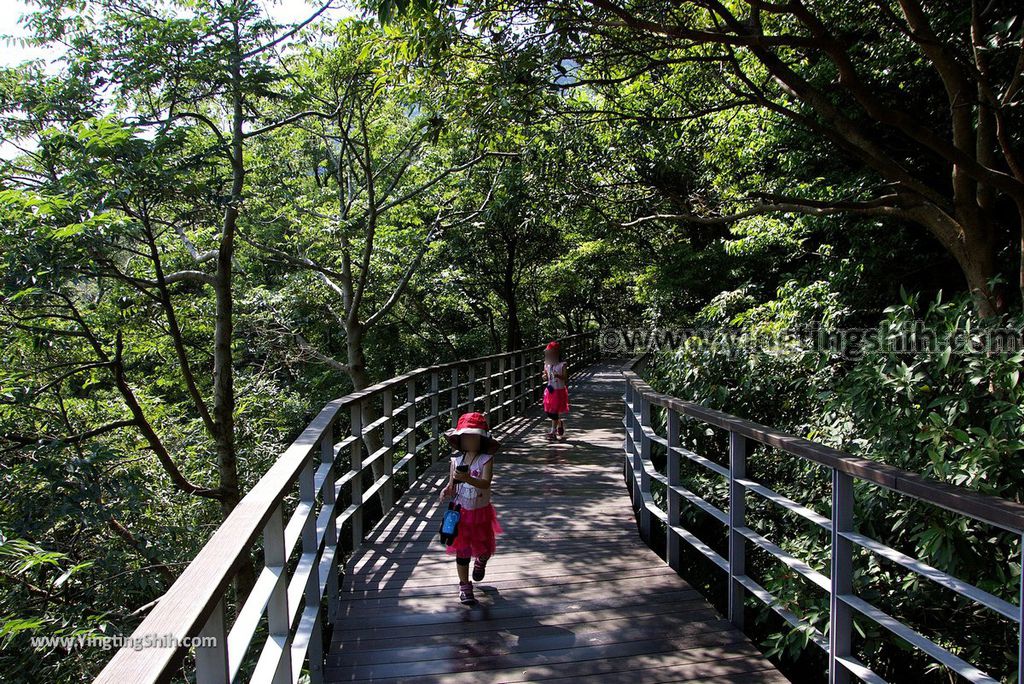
(573, 594)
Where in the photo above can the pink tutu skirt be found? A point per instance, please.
(477, 528)
(556, 401)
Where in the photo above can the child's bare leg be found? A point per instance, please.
(462, 565)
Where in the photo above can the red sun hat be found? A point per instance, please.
(472, 424)
(553, 346)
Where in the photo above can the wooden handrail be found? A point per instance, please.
(290, 590)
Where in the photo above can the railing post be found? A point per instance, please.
(356, 459)
(435, 408)
(627, 441)
(471, 381)
(514, 384)
(307, 496)
(840, 614)
(737, 514)
(1020, 616)
(331, 533)
(212, 661)
(278, 616)
(501, 390)
(410, 441)
(524, 374)
(387, 443)
(455, 395)
(533, 381)
(538, 383)
(675, 508)
(643, 455)
(488, 388)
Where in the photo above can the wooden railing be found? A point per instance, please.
(308, 508)
(845, 469)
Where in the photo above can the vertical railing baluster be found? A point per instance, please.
(538, 385)
(471, 380)
(513, 385)
(1020, 618)
(488, 388)
(311, 546)
(840, 614)
(455, 395)
(412, 468)
(356, 459)
(532, 381)
(278, 616)
(501, 390)
(387, 443)
(212, 660)
(523, 383)
(517, 372)
(435, 408)
(672, 545)
(331, 533)
(643, 456)
(523, 387)
(737, 515)
(627, 442)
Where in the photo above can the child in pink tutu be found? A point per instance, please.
(469, 482)
(556, 392)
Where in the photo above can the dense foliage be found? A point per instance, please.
(211, 224)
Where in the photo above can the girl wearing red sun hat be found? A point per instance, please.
(556, 393)
(469, 485)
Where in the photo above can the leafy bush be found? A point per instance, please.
(952, 412)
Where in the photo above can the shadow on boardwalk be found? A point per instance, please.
(573, 594)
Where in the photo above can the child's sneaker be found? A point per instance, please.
(561, 430)
(479, 568)
(466, 594)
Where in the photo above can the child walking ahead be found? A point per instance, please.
(469, 482)
(556, 393)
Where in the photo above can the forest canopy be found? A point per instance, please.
(212, 223)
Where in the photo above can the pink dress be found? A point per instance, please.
(478, 524)
(556, 394)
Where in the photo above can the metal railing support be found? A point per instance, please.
(737, 515)
(435, 407)
(212, 661)
(840, 626)
(675, 505)
(278, 615)
(330, 501)
(411, 468)
(356, 466)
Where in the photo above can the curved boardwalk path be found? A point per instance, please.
(573, 594)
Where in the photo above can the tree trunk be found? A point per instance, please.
(361, 380)
(979, 269)
(976, 251)
(223, 362)
(971, 241)
(514, 334)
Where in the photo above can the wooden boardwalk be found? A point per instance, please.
(573, 594)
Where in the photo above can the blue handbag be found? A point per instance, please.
(450, 523)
